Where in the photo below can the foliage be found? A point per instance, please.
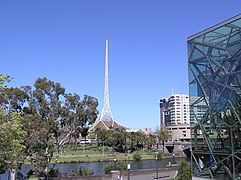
(113, 138)
(54, 173)
(11, 141)
(72, 173)
(137, 140)
(3, 79)
(184, 171)
(84, 171)
(122, 141)
(151, 141)
(159, 156)
(48, 117)
(119, 165)
(163, 135)
(136, 156)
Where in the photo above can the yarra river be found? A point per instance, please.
(98, 167)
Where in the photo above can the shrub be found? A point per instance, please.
(72, 173)
(84, 171)
(54, 173)
(120, 165)
(159, 156)
(136, 156)
(184, 171)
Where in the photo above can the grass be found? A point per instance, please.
(98, 159)
(91, 153)
(83, 152)
(101, 158)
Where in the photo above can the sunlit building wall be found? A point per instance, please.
(174, 110)
(174, 115)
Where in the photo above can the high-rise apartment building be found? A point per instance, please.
(174, 110)
(174, 116)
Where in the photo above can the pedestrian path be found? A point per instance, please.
(161, 176)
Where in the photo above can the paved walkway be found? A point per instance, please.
(164, 174)
(161, 176)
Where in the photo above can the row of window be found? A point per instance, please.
(178, 128)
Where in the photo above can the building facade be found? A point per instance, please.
(174, 115)
(180, 132)
(214, 61)
(174, 110)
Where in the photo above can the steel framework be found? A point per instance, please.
(214, 59)
(106, 107)
(106, 119)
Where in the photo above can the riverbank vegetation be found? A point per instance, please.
(43, 124)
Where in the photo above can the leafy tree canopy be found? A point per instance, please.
(3, 79)
(12, 141)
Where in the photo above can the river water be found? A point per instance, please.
(98, 167)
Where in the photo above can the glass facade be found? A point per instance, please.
(214, 60)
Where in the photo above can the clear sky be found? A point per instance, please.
(64, 41)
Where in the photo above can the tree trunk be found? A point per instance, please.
(13, 174)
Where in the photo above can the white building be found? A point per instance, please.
(175, 110)
(175, 116)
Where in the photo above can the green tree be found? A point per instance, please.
(11, 142)
(184, 171)
(3, 79)
(13, 99)
(49, 117)
(163, 135)
(151, 141)
(45, 106)
(60, 115)
(139, 139)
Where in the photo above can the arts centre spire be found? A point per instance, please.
(106, 120)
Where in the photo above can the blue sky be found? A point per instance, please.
(64, 41)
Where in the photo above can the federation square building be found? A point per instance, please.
(214, 62)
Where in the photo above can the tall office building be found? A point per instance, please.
(214, 61)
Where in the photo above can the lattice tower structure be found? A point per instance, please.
(106, 119)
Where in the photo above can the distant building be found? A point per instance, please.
(174, 115)
(174, 110)
(147, 131)
(180, 132)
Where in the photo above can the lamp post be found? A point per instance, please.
(47, 168)
(156, 167)
(115, 163)
(103, 149)
(128, 169)
(128, 166)
(173, 156)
